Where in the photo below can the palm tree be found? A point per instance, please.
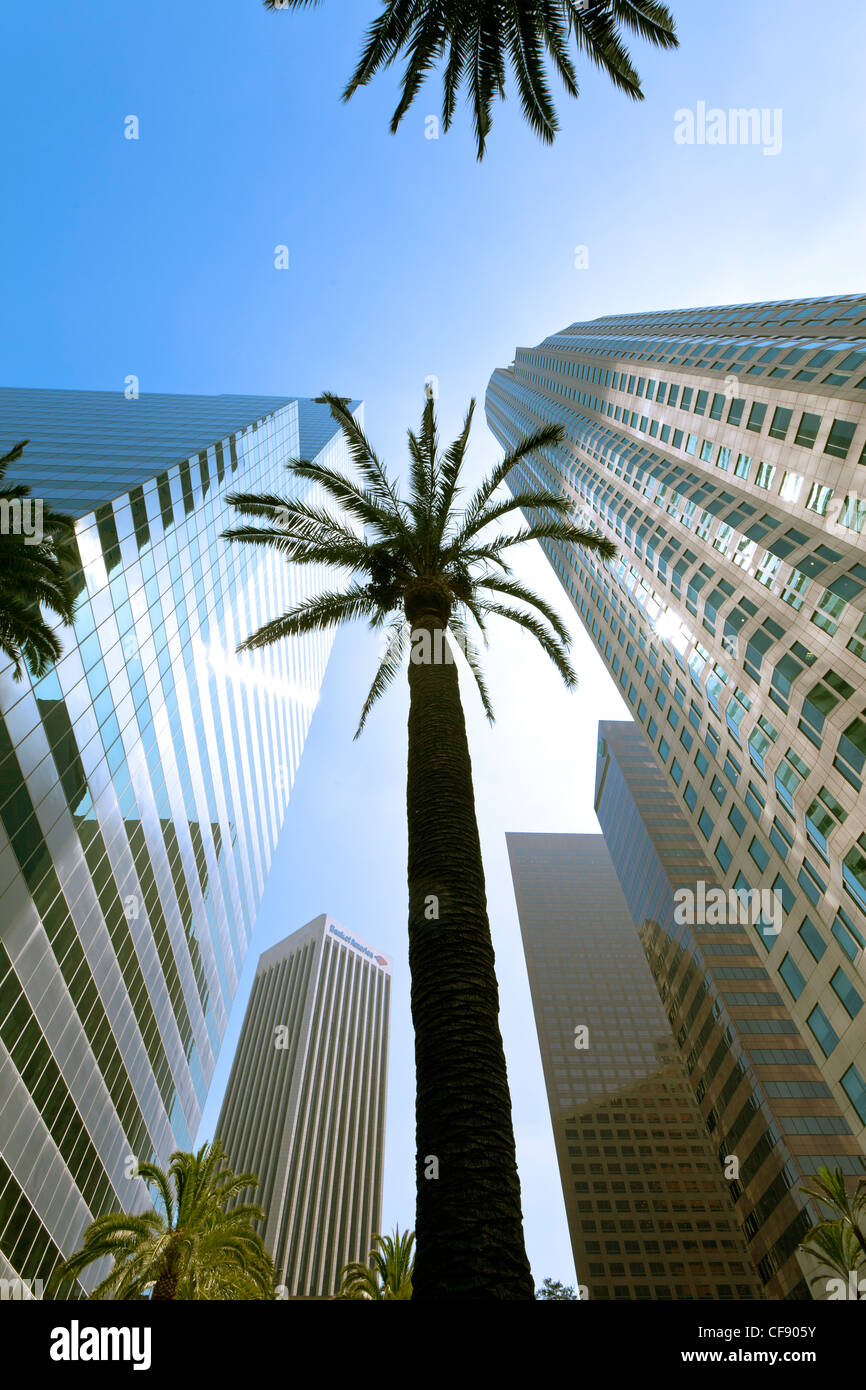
(839, 1243)
(835, 1247)
(552, 1291)
(389, 1273)
(192, 1245)
(481, 37)
(35, 573)
(828, 1187)
(423, 568)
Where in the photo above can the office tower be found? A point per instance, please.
(648, 1210)
(755, 1074)
(721, 449)
(304, 1108)
(144, 782)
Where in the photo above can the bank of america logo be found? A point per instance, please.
(365, 950)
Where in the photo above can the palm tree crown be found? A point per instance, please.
(192, 1245)
(837, 1243)
(36, 564)
(418, 554)
(477, 39)
(388, 1274)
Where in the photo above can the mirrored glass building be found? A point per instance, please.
(143, 784)
(649, 1213)
(722, 449)
(771, 1117)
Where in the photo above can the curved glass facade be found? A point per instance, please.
(722, 450)
(143, 784)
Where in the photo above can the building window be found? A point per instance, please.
(744, 465)
(855, 1089)
(845, 991)
(781, 421)
(812, 938)
(765, 475)
(792, 978)
(824, 1034)
(839, 438)
(807, 431)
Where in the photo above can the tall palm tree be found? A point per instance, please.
(35, 573)
(481, 37)
(190, 1246)
(389, 1273)
(422, 568)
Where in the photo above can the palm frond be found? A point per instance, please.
(514, 589)
(547, 640)
(313, 615)
(478, 39)
(473, 661)
(389, 667)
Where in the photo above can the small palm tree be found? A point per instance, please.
(481, 37)
(836, 1249)
(192, 1245)
(840, 1242)
(389, 1273)
(552, 1291)
(829, 1187)
(35, 573)
(423, 569)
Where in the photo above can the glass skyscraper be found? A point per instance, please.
(723, 450)
(304, 1108)
(771, 1116)
(648, 1209)
(143, 784)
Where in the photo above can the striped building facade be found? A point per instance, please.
(305, 1104)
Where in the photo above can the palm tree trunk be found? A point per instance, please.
(165, 1287)
(469, 1224)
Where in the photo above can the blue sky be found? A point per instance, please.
(155, 257)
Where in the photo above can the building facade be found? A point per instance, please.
(648, 1209)
(143, 784)
(722, 450)
(771, 1116)
(304, 1108)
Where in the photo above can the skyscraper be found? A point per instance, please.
(648, 1210)
(772, 1117)
(144, 782)
(305, 1103)
(721, 449)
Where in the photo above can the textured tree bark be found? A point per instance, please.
(165, 1287)
(469, 1225)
